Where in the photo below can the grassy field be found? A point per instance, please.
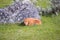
(48, 30)
(43, 3)
(4, 3)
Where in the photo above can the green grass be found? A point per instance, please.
(48, 30)
(4, 3)
(43, 3)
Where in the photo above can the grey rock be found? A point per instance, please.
(17, 12)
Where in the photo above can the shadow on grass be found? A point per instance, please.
(22, 24)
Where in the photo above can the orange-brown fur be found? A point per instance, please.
(31, 21)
